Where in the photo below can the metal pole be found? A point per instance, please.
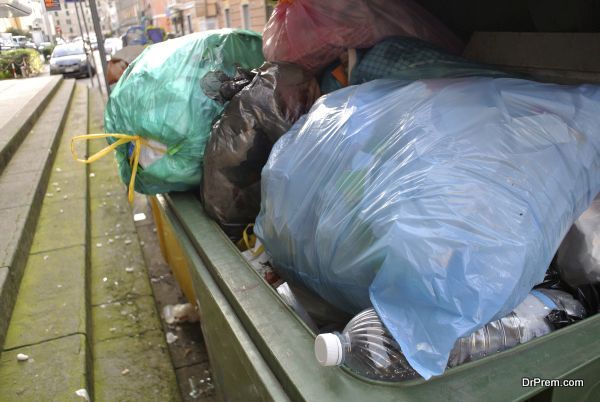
(100, 39)
(47, 24)
(87, 32)
(84, 49)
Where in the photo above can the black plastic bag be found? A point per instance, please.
(241, 141)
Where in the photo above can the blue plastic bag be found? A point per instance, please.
(439, 202)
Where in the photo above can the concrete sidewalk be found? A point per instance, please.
(16, 94)
(85, 314)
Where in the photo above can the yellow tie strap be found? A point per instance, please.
(122, 139)
(249, 241)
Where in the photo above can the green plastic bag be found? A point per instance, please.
(167, 96)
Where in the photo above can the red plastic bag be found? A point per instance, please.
(313, 33)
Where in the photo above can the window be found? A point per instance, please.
(67, 13)
(269, 10)
(246, 16)
(70, 30)
(68, 21)
(227, 18)
(189, 18)
(56, 13)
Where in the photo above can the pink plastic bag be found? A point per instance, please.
(313, 33)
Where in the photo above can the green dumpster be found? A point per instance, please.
(260, 350)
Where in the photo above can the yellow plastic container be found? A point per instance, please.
(171, 250)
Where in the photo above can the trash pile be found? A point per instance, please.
(388, 177)
(167, 101)
(242, 139)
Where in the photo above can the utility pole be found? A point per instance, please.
(100, 39)
(81, 3)
(47, 23)
(84, 49)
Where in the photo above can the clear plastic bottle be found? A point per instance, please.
(369, 350)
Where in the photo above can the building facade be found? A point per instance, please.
(192, 16)
(187, 16)
(154, 12)
(247, 14)
(66, 24)
(32, 22)
(128, 13)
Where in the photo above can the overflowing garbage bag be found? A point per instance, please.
(440, 202)
(405, 58)
(578, 257)
(161, 98)
(313, 33)
(366, 347)
(242, 139)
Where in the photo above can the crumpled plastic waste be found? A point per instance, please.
(174, 314)
(578, 257)
(160, 97)
(241, 141)
(314, 33)
(440, 203)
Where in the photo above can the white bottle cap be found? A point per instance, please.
(328, 350)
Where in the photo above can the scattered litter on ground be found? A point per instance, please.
(98, 245)
(45, 257)
(139, 217)
(129, 269)
(22, 357)
(58, 169)
(127, 241)
(49, 195)
(92, 174)
(171, 337)
(180, 313)
(110, 241)
(113, 329)
(104, 279)
(82, 393)
(125, 372)
(58, 189)
(194, 393)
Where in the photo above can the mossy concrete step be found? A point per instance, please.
(24, 106)
(22, 187)
(55, 371)
(51, 298)
(131, 360)
(50, 317)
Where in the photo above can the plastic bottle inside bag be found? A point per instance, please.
(366, 347)
(150, 152)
